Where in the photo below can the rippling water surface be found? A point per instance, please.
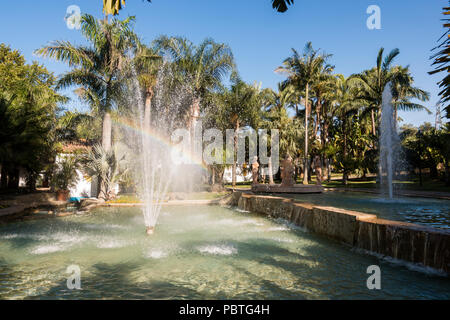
(196, 253)
(429, 212)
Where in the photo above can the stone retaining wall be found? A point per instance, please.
(406, 241)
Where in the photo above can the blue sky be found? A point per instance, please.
(260, 37)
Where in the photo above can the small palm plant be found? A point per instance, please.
(65, 176)
(107, 165)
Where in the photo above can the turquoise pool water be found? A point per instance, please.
(424, 211)
(201, 252)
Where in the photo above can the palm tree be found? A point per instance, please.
(303, 71)
(441, 62)
(114, 6)
(374, 81)
(321, 89)
(403, 91)
(281, 5)
(204, 66)
(96, 68)
(346, 104)
(275, 116)
(239, 106)
(108, 165)
(147, 63)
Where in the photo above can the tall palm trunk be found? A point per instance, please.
(106, 144)
(324, 141)
(4, 177)
(305, 175)
(270, 171)
(147, 108)
(318, 116)
(106, 131)
(372, 114)
(235, 142)
(395, 117)
(345, 173)
(195, 113)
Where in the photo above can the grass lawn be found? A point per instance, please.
(132, 198)
(370, 183)
(412, 184)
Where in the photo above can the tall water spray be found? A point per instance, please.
(389, 142)
(148, 137)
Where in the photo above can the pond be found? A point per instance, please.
(198, 252)
(425, 211)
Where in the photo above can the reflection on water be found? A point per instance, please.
(429, 212)
(199, 253)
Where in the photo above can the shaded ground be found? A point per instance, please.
(401, 187)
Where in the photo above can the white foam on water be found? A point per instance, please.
(37, 237)
(43, 249)
(9, 236)
(105, 226)
(156, 254)
(283, 240)
(218, 249)
(417, 267)
(111, 244)
(252, 222)
(69, 237)
(234, 222)
(278, 228)
(241, 210)
(290, 225)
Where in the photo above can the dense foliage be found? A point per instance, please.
(28, 108)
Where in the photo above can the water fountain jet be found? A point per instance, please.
(149, 139)
(389, 142)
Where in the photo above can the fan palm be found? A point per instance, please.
(107, 165)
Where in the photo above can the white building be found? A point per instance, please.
(240, 177)
(86, 186)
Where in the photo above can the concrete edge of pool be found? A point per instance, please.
(410, 242)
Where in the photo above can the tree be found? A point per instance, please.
(108, 165)
(281, 5)
(28, 106)
(239, 106)
(441, 62)
(203, 66)
(303, 71)
(403, 91)
(147, 63)
(114, 6)
(373, 82)
(96, 68)
(347, 106)
(275, 116)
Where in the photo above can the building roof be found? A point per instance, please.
(76, 146)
